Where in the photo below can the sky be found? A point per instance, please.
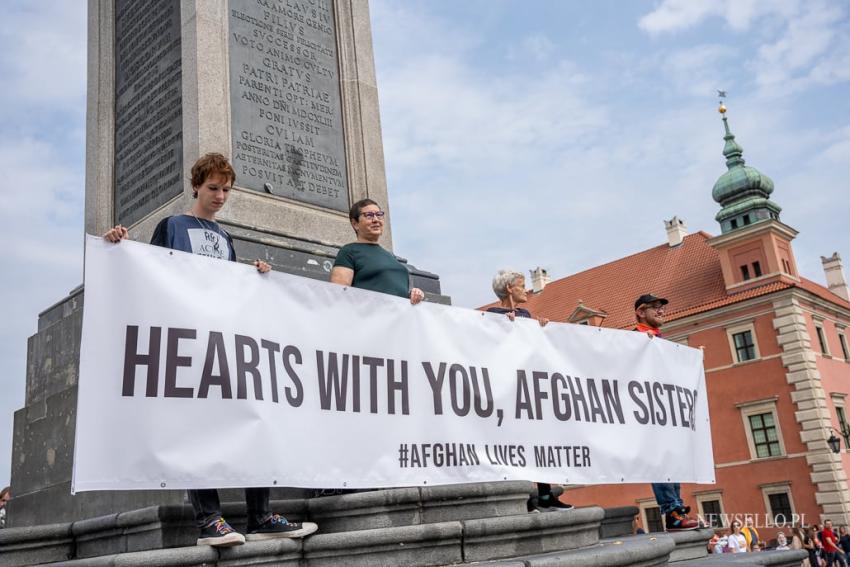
(517, 134)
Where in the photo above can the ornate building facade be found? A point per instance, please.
(776, 352)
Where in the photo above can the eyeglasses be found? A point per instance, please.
(372, 215)
(655, 307)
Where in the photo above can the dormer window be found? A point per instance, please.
(746, 220)
(734, 223)
(756, 269)
(745, 272)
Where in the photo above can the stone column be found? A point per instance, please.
(827, 472)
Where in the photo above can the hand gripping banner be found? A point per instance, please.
(201, 373)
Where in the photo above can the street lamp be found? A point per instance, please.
(834, 443)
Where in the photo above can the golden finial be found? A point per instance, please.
(721, 95)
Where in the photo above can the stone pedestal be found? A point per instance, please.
(286, 89)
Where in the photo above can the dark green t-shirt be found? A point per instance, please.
(374, 268)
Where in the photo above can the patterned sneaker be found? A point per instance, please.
(678, 520)
(547, 502)
(218, 533)
(277, 526)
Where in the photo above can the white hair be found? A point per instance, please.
(502, 280)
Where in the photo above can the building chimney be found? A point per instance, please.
(835, 280)
(676, 231)
(539, 279)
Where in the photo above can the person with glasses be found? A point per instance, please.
(197, 232)
(649, 313)
(365, 264)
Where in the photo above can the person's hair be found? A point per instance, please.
(5, 491)
(354, 211)
(209, 165)
(502, 280)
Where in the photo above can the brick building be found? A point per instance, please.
(777, 362)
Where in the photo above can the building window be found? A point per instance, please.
(821, 339)
(765, 438)
(779, 504)
(764, 435)
(842, 417)
(756, 269)
(746, 220)
(780, 507)
(743, 342)
(745, 272)
(652, 520)
(744, 346)
(711, 509)
(844, 351)
(734, 223)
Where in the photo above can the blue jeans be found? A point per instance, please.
(667, 496)
(208, 508)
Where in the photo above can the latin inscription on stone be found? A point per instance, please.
(285, 101)
(148, 112)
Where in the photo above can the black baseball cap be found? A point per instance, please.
(649, 298)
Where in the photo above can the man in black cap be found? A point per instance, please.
(649, 313)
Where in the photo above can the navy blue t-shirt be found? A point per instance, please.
(191, 234)
(519, 311)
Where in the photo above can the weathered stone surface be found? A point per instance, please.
(618, 522)
(690, 544)
(428, 544)
(474, 500)
(789, 558)
(527, 534)
(39, 544)
(366, 510)
(637, 551)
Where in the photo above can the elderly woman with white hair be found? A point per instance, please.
(509, 287)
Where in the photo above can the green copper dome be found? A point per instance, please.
(742, 191)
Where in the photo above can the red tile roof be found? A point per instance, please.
(688, 275)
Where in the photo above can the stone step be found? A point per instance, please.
(690, 544)
(789, 558)
(649, 550)
(423, 545)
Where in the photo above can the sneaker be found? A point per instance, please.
(218, 533)
(678, 520)
(548, 502)
(278, 526)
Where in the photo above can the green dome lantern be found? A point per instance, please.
(742, 191)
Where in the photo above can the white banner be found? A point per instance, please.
(201, 373)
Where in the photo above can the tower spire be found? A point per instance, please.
(743, 191)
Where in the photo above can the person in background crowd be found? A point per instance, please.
(365, 264)
(831, 552)
(712, 544)
(649, 313)
(751, 534)
(737, 541)
(812, 545)
(509, 287)
(844, 542)
(198, 232)
(5, 496)
(797, 537)
(781, 542)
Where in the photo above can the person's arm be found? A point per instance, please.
(341, 275)
(160, 234)
(116, 234)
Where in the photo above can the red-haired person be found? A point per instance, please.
(198, 232)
